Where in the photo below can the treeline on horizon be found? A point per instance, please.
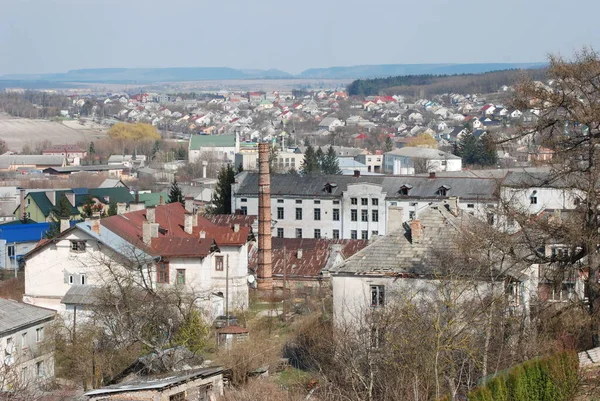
(412, 85)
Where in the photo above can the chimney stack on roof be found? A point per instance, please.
(202, 234)
(147, 232)
(189, 203)
(356, 173)
(265, 279)
(299, 253)
(95, 224)
(204, 164)
(151, 214)
(453, 203)
(416, 231)
(162, 200)
(121, 208)
(188, 222)
(236, 228)
(64, 225)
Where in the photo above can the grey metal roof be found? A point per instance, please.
(16, 315)
(45, 160)
(422, 187)
(80, 295)
(156, 382)
(103, 167)
(423, 153)
(397, 253)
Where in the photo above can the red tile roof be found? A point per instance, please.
(315, 255)
(172, 239)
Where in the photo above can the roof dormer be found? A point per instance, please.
(405, 189)
(443, 190)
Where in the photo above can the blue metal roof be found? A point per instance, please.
(23, 232)
(80, 191)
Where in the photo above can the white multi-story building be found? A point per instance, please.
(349, 207)
(166, 244)
(222, 147)
(283, 161)
(419, 160)
(26, 357)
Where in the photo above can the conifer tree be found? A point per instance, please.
(112, 208)
(175, 194)
(389, 144)
(221, 201)
(311, 162)
(330, 162)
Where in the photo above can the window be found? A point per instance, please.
(39, 369)
(411, 215)
(377, 337)
(244, 210)
(24, 340)
(374, 215)
(11, 251)
(336, 234)
(71, 279)
(77, 246)
(404, 189)
(354, 234)
(470, 206)
(364, 234)
(177, 397)
(180, 276)
(298, 233)
(39, 334)
(336, 202)
(354, 215)
(364, 215)
(162, 273)
(280, 213)
(374, 232)
(244, 200)
(415, 204)
(317, 233)
(317, 214)
(377, 295)
(279, 232)
(559, 292)
(317, 202)
(279, 200)
(491, 219)
(298, 213)
(443, 190)
(364, 201)
(82, 279)
(219, 264)
(28, 201)
(375, 202)
(533, 199)
(336, 214)
(354, 201)
(298, 200)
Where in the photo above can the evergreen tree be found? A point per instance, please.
(490, 154)
(87, 210)
(330, 163)
(311, 162)
(306, 142)
(320, 157)
(389, 144)
(112, 208)
(221, 201)
(62, 210)
(155, 149)
(175, 194)
(92, 149)
(470, 149)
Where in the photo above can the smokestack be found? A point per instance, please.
(204, 164)
(265, 279)
(22, 205)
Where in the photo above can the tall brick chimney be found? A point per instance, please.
(265, 280)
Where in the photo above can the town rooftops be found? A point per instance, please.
(403, 253)
(423, 153)
(207, 141)
(77, 169)
(15, 315)
(158, 382)
(37, 160)
(315, 186)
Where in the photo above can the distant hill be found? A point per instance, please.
(150, 75)
(418, 85)
(154, 75)
(387, 70)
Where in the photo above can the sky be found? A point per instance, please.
(48, 36)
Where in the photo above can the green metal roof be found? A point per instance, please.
(219, 141)
(153, 199)
(104, 195)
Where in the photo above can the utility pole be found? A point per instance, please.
(227, 290)
(284, 284)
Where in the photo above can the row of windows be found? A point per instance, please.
(364, 215)
(364, 201)
(335, 234)
(163, 277)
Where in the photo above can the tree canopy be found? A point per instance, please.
(479, 151)
(175, 194)
(221, 202)
(423, 141)
(136, 132)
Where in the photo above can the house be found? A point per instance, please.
(284, 161)
(197, 384)
(39, 205)
(223, 147)
(304, 263)
(169, 244)
(69, 152)
(330, 123)
(374, 163)
(407, 263)
(357, 207)
(410, 160)
(352, 167)
(16, 239)
(25, 354)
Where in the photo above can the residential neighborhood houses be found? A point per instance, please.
(273, 205)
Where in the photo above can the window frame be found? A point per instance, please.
(353, 234)
(280, 232)
(317, 233)
(298, 213)
(163, 273)
(78, 246)
(335, 234)
(317, 214)
(375, 216)
(180, 276)
(353, 214)
(354, 201)
(219, 263)
(377, 295)
(39, 334)
(298, 233)
(364, 215)
(364, 201)
(280, 213)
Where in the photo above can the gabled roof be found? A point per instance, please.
(17, 315)
(398, 254)
(104, 195)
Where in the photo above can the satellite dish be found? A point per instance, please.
(251, 279)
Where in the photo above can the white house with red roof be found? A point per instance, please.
(166, 244)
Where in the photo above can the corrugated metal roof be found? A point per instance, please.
(203, 141)
(15, 315)
(31, 232)
(80, 295)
